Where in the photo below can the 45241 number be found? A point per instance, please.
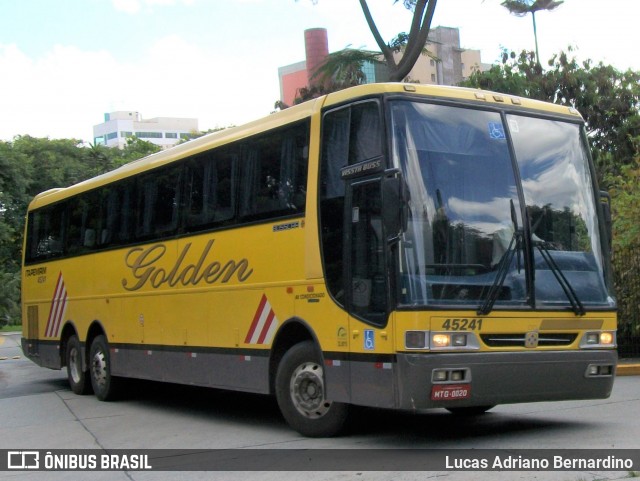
(462, 325)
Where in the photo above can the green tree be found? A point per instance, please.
(57, 162)
(99, 158)
(625, 207)
(15, 173)
(9, 297)
(625, 204)
(521, 8)
(30, 165)
(135, 149)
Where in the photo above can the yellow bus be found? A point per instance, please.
(399, 246)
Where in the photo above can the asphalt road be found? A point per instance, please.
(38, 411)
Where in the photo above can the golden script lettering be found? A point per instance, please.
(143, 263)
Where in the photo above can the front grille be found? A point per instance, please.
(518, 339)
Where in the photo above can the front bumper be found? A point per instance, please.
(505, 377)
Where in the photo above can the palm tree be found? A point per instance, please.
(344, 68)
(521, 8)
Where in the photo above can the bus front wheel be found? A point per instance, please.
(78, 377)
(300, 391)
(103, 383)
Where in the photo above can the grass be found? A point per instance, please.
(11, 328)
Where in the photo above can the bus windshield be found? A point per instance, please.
(485, 229)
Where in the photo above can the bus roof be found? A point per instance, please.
(294, 114)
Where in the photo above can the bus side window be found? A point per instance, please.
(365, 142)
(210, 181)
(117, 214)
(157, 203)
(274, 174)
(46, 228)
(259, 193)
(84, 223)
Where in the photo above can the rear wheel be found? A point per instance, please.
(105, 386)
(78, 377)
(300, 391)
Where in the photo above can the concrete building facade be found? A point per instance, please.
(451, 65)
(162, 131)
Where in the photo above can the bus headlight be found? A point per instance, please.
(598, 339)
(606, 338)
(427, 340)
(441, 340)
(449, 340)
(454, 340)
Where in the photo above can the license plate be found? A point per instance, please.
(450, 392)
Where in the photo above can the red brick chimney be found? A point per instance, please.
(316, 48)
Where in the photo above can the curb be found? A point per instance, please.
(628, 369)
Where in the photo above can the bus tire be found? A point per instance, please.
(300, 391)
(78, 378)
(105, 386)
(470, 411)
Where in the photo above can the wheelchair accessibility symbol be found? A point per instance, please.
(369, 340)
(496, 131)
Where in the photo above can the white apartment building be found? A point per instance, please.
(163, 131)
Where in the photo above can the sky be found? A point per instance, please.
(65, 63)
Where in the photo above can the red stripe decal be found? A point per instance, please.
(55, 306)
(256, 318)
(267, 325)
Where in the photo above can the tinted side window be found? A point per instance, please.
(210, 190)
(365, 141)
(84, 226)
(274, 174)
(46, 233)
(157, 203)
(118, 213)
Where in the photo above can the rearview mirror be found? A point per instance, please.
(392, 206)
(605, 202)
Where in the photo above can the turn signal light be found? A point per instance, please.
(416, 339)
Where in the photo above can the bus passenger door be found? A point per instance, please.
(367, 274)
(367, 284)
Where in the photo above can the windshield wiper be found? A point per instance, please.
(515, 245)
(503, 268)
(574, 300)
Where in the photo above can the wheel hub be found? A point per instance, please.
(99, 368)
(307, 391)
(74, 365)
